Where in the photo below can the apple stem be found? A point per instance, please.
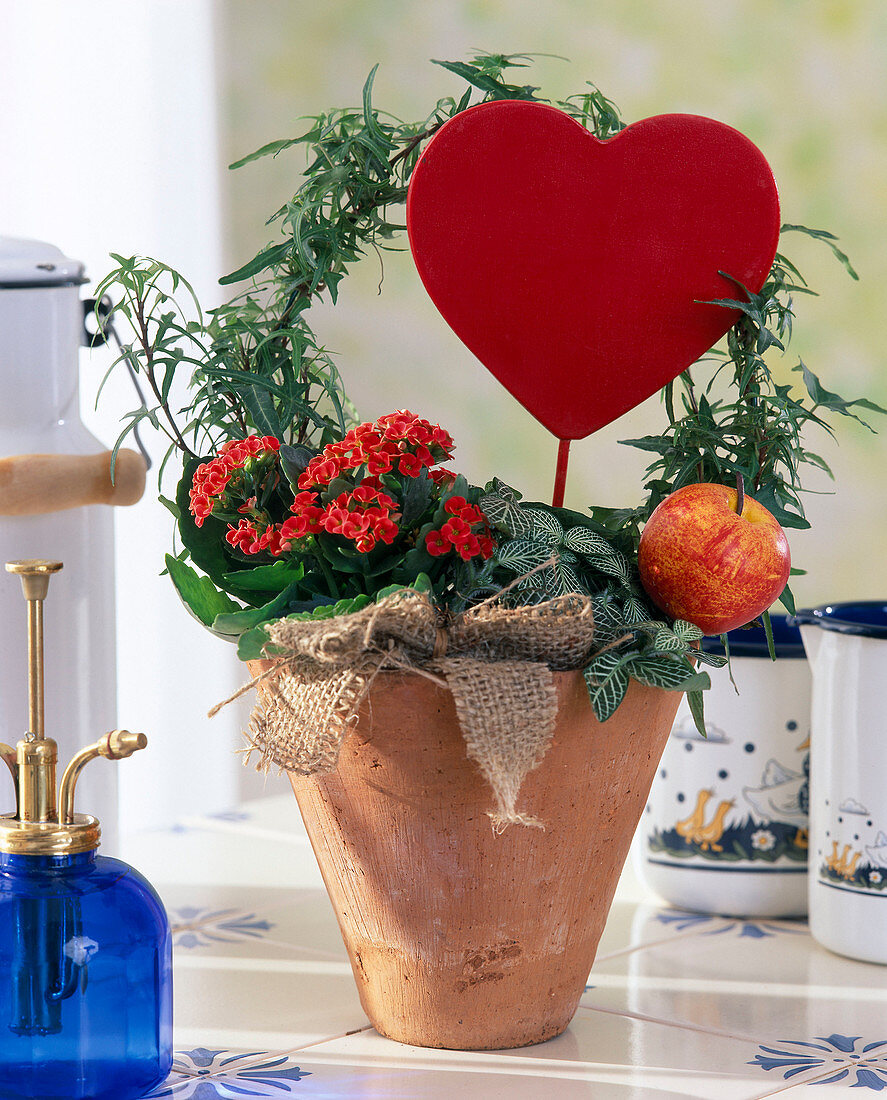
(740, 494)
(560, 475)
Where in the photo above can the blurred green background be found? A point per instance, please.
(804, 80)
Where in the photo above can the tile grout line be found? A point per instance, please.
(685, 1026)
(799, 1083)
(653, 943)
(259, 1056)
(244, 829)
(323, 956)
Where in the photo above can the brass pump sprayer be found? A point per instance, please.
(40, 826)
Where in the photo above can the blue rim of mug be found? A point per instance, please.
(866, 618)
(752, 641)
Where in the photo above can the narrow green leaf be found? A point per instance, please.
(695, 701)
(269, 150)
(267, 258)
(768, 631)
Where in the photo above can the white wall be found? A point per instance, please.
(108, 134)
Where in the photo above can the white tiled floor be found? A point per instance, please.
(677, 1005)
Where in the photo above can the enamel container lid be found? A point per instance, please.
(25, 263)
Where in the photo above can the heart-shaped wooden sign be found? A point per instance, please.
(576, 269)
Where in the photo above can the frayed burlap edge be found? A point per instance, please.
(497, 661)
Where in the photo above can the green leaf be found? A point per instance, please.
(665, 641)
(294, 459)
(269, 150)
(633, 611)
(238, 621)
(260, 406)
(832, 401)
(199, 594)
(687, 632)
(669, 673)
(422, 583)
(206, 544)
(169, 505)
(546, 528)
(607, 682)
(268, 578)
(608, 620)
(696, 703)
(787, 600)
(569, 581)
(488, 83)
(268, 257)
(826, 238)
(254, 642)
(522, 555)
(505, 514)
(768, 631)
(414, 499)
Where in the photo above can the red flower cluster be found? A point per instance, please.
(364, 515)
(236, 458)
(467, 532)
(400, 442)
(247, 536)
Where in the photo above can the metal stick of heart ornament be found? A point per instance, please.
(582, 273)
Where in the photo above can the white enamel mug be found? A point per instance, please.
(847, 648)
(725, 827)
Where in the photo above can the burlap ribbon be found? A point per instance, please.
(496, 661)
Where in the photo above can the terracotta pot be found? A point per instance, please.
(458, 937)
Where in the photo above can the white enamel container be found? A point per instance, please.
(41, 330)
(725, 827)
(847, 648)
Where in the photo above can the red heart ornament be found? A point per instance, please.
(577, 269)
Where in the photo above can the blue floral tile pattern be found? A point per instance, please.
(202, 1074)
(195, 927)
(717, 926)
(865, 1067)
(230, 815)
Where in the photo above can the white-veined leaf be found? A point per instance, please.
(667, 642)
(607, 681)
(546, 527)
(671, 673)
(569, 579)
(522, 555)
(716, 660)
(607, 618)
(633, 611)
(690, 632)
(505, 515)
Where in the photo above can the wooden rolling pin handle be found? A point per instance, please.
(33, 485)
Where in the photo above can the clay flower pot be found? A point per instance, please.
(459, 937)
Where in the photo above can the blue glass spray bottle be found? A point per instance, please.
(85, 949)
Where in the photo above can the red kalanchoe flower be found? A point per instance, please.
(410, 465)
(436, 543)
(243, 535)
(400, 442)
(298, 527)
(334, 519)
(225, 479)
(455, 505)
(467, 532)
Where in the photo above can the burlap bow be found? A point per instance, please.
(497, 662)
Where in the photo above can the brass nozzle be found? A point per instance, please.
(115, 745)
(35, 574)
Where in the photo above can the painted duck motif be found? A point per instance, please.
(695, 830)
(779, 798)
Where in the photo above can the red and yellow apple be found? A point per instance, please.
(701, 561)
